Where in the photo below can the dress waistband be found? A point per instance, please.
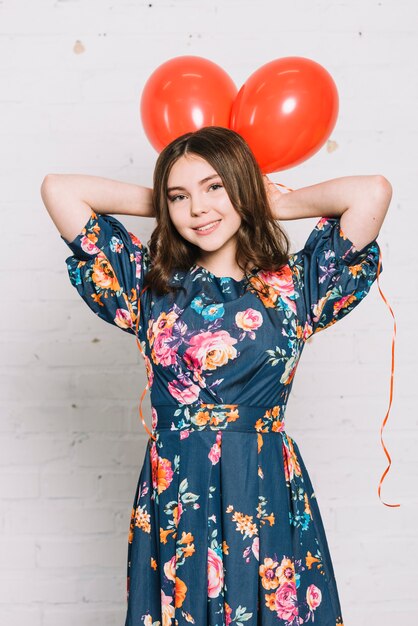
(206, 416)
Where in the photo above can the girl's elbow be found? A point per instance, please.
(383, 186)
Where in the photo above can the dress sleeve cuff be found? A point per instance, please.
(343, 247)
(93, 237)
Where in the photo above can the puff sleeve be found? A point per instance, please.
(107, 267)
(331, 276)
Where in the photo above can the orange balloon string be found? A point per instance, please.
(142, 352)
(391, 386)
(391, 377)
(284, 186)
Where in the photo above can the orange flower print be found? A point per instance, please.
(177, 511)
(276, 288)
(310, 560)
(162, 473)
(131, 527)
(202, 418)
(270, 601)
(286, 572)
(189, 549)
(180, 591)
(142, 519)
(244, 524)
(343, 303)
(165, 533)
(267, 572)
(103, 274)
(227, 613)
(355, 269)
(291, 463)
(163, 321)
(319, 306)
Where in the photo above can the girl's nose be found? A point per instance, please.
(198, 206)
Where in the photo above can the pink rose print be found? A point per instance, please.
(215, 451)
(307, 331)
(167, 608)
(154, 418)
(210, 350)
(286, 602)
(123, 319)
(255, 547)
(184, 394)
(215, 574)
(313, 597)
(249, 320)
(282, 281)
(170, 568)
(88, 246)
(343, 302)
(162, 352)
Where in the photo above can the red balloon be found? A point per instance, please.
(286, 111)
(183, 95)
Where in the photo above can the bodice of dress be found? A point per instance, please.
(221, 340)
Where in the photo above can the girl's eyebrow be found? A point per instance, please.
(201, 182)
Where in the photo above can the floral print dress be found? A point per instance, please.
(225, 526)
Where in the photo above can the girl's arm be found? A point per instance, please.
(360, 201)
(69, 199)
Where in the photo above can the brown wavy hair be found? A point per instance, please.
(261, 243)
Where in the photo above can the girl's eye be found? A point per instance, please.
(174, 198)
(215, 185)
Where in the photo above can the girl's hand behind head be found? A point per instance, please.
(273, 192)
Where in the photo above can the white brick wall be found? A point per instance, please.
(71, 75)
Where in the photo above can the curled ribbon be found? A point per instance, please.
(391, 386)
(391, 376)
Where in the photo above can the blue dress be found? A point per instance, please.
(225, 526)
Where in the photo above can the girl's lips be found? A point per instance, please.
(207, 231)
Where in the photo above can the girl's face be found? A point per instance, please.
(196, 197)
